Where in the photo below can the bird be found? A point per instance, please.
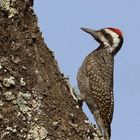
(30, 3)
(95, 76)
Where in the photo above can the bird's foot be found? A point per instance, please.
(74, 92)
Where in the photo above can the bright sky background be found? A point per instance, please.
(60, 22)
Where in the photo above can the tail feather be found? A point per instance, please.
(108, 133)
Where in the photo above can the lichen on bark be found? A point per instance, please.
(6, 5)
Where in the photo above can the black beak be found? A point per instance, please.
(94, 33)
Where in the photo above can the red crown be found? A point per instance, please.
(118, 31)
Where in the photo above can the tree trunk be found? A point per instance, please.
(35, 99)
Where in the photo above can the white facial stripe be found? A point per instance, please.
(115, 38)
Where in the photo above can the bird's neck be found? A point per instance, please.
(105, 48)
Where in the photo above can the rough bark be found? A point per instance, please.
(35, 99)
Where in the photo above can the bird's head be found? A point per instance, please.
(110, 38)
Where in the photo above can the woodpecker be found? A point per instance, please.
(95, 77)
(31, 3)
